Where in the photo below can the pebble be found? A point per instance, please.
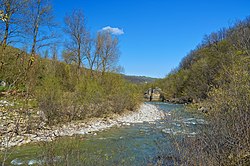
(147, 113)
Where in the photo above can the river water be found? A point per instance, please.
(135, 144)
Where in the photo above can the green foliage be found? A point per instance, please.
(201, 70)
(61, 93)
(216, 75)
(49, 96)
(226, 140)
(123, 95)
(2, 88)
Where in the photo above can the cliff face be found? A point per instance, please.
(154, 94)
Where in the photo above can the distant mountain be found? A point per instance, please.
(139, 79)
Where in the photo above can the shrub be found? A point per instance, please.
(49, 95)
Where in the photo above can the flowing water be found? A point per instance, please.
(136, 144)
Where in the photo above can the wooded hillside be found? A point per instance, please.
(216, 75)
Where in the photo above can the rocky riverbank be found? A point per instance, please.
(146, 113)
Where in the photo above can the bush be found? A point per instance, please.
(49, 95)
(225, 141)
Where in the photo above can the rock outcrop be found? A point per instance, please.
(154, 94)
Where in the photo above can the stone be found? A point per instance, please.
(17, 162)
(203, 109)
(3, 83)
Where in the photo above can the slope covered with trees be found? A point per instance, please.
(208, 66)
(83, 83)
(216, 75)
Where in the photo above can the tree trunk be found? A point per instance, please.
(36, 29)
(7, 26)
(79, 59)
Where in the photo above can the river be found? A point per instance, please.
(135, 144)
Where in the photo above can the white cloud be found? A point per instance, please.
(114, 31)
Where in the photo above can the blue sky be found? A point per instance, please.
(157, 33)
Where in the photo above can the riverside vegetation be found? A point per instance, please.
(83, 84)
(216, 76)
(44, 90)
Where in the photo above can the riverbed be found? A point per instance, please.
(138, 143)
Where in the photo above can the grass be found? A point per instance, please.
(2, 88)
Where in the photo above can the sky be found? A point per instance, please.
(155, 35)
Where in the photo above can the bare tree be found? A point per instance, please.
(240, 36)
(107, 48)
(54, 52)
(39, 23)
(79, 42)
(68, 57)
(11, 16)
(46, 54)
(104, 55)
(90, 55)
(96, 59)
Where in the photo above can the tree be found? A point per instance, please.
(38, 24)
(11, 17)
(188, 60)
(107, 48)
(46, 54)
(54, 52)
(239, 36)
(78, 42)
(92, 57)
(68, 57)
